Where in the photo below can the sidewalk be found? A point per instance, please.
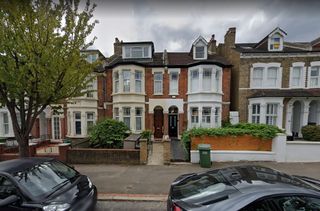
(138, 182)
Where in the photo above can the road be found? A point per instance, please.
(130, 206)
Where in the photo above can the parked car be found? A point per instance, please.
(44, 184)
(245, 188)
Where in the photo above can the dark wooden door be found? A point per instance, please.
(158, 122)
(173, 125)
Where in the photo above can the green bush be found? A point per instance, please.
(146, 134)
(261, 131)
(108, 133)
(311, 132)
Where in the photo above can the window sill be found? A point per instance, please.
(158, 94)
(128, 93)
(265, 87)
(204, 92)
(173, 94)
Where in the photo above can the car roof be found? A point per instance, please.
(249, 178)
(16, 165)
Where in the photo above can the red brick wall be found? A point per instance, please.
(226, 83)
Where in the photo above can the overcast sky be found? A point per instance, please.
(174, 24)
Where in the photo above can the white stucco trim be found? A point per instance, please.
(315, 63)
(176, 70)
(166, 104)
(158, 70)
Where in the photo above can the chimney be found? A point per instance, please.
(230, 37)
(165, 58)
(117, 47)
(212, 46)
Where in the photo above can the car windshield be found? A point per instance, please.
(43, 179)
(201, 186)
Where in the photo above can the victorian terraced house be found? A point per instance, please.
(274, 81)
(167, 92)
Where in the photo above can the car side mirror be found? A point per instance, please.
(9, 200)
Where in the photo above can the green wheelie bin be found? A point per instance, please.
(204, 151)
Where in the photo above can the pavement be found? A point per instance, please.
(152, 182)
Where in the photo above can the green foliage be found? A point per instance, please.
(311, 132)
(261, 131)
(40, 59)
(108, 133)
(146, 134)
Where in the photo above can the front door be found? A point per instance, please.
(158, 122)
(173, 125)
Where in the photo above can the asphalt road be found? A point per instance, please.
(130, 206)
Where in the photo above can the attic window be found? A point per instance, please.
(275, 43)
(199, 52)
(136, 52)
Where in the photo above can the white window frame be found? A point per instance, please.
(197, 80)
(90, 120)
(206, 117)
(174, 90)
(116, 114)
(6, 125)
(75, 123)
(54, 118)
(90, 89)
(126, 80)
(264, 83)
(200, 42)
(255, 116)
(208, 78)
(271, 41)
(138, 80)
(302, 67)
(125, 115)
(315, 64)
(272, 113)
(155, 81)
(194, 119)
(116, 81)
(128, 51)
(217, 113)
(138, 117)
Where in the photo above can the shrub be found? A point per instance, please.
(311, 132)
(261, 131)
(146, 134)
(108, 133)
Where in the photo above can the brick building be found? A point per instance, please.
(274, 81)
(166, 92)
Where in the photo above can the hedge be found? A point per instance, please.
(311, 132)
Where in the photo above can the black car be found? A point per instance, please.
(244, 188)
(44, 184)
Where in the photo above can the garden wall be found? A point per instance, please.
(103, 156)
(302, 151)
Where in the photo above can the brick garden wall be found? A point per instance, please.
(105, 156)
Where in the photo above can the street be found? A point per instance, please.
(130, 206)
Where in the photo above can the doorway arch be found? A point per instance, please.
(313, 113)
(158, 121)
(173, 121)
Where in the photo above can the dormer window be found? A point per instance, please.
(200, 52)
(200, 49)
(137, 52)
(275, 40)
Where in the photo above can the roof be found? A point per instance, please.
(266, 37)
(175, 59)
(285, 93)
(12, 166)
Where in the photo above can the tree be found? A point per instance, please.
(40, 59)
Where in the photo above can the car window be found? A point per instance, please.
(285, 203)
(45, 178)
(6, 188)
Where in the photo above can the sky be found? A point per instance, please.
(174, 24)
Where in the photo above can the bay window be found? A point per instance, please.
(217, 81)
(90, 120)
(207, 79)
(138, 119)
(255, 113)
(116, 114)
(90, 90)
(138, 81)
(194, 115)
(126, 80)
(194, 80)
(216, 116)
(56, 128)
(77, 117)
(116, 82)
(206, 115)
(5, 123)
(271, 114)
(127, 116)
